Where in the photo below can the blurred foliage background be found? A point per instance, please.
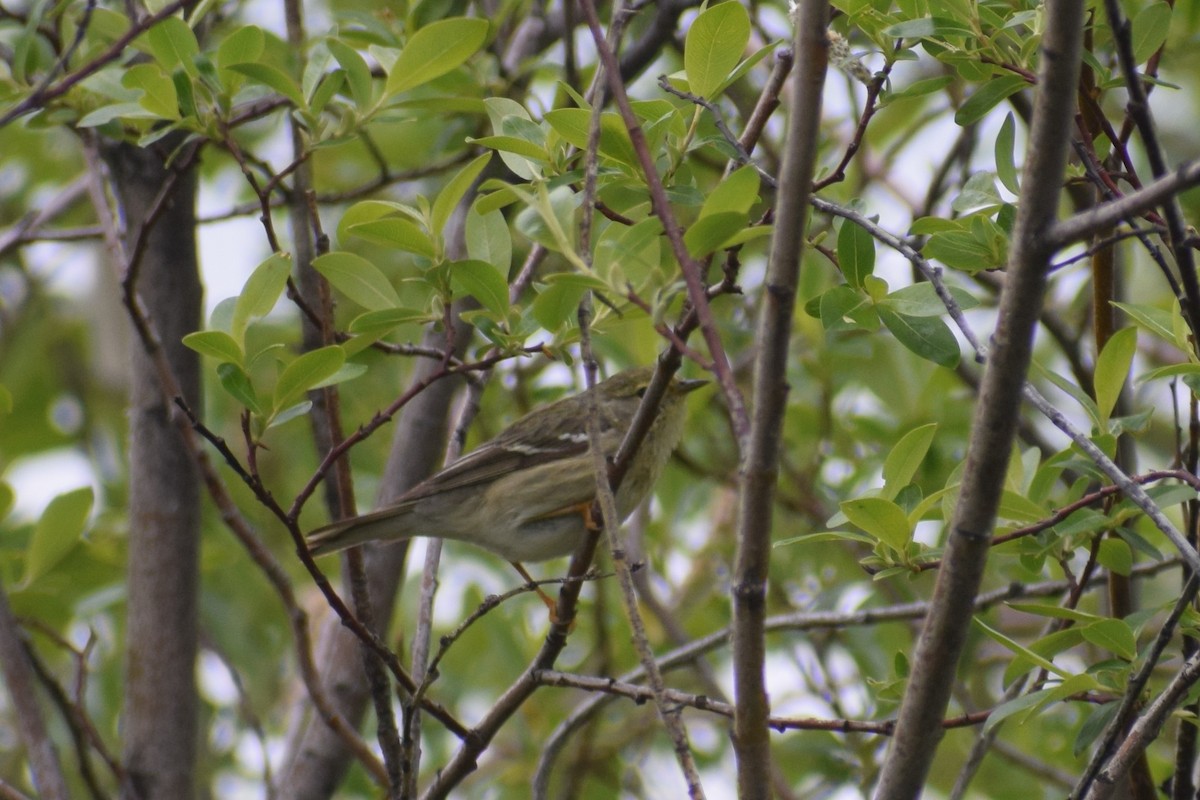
(944, 88)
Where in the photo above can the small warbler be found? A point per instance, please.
(525, 494)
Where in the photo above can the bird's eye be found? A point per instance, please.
(641, 391)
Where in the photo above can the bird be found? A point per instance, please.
(525, 495)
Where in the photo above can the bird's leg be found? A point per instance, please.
(545, 598)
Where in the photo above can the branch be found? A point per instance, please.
(18, 674)
(1104, 216)
(40, 96)
(944, 633)
(692, 271)
(760, 455)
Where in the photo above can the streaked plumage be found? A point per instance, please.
(521, 494)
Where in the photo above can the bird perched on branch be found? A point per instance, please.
(526, 494)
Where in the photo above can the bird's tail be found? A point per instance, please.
(355, 530)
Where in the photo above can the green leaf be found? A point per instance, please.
(714, 45)
(482, 281)
(1114, 635)
(386, 319)
(971, 245)
(215, 344)
(7, 498)
(489, 239)
(842, 308)
(173, 44)
(60, 527)
(1094, 724)
(1112, 370)
(1012, 707)
(261, 293)
(708, 234)
(905, 458)
(158, 90)
(1012, 645)
(881, 518)
(307, 372)
(1116, 555)
(737, 193)
(1150, 28)
(1055, 612)
(1080, 396)
(572, 124)
(921, 300)
(329, 85)
(1006, 164)
(557, 303)
(987, 97)
(856, 253)
(928, 337)
(358, 279)
(273, 78)
(242, 46)
(512, 144)
(629, 252)
(435, 50)
(826, 536)
(235, 381)
(357, 72)
(290, 413)
(1155, 320)
(921, 88)
(398, 233)
(454, 191)
(524, 164)
(106, 114)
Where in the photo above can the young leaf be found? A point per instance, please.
(435, 50)
(358, 279)
(260, 293)
(273, 78)
(1012, 645)
(1112, 370)
(708, 234)
(1153, 319)
(158, 90)
(987, 97)
(235, 381)
(1006, 165)
(556, 304)
(454, 191)
(714, 45)
(881, 518)
(489, 239)
(215, 344)
(905, 458)
(736, 193)
(398, 233)
(928, 337)
(483, 282)
(243, 45)
(173, 44)
(60, 526)
(357, 72)
(1150, 27)
(1114, 635)
(307, 372)
(856, 253)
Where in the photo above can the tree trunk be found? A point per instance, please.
(159, 719)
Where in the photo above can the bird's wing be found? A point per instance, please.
(501, 456)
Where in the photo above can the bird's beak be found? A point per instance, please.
(691, 384)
